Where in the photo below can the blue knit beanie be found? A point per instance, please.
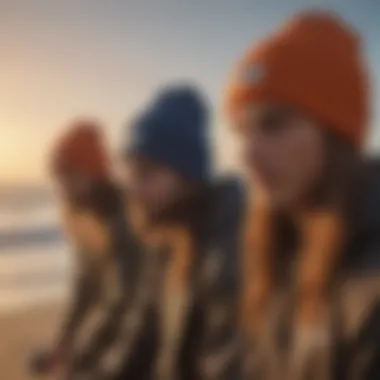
(173, 130)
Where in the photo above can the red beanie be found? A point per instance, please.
(82, 150)
(314, 64)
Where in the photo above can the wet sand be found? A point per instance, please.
(21, 333)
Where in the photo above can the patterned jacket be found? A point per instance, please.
(186, 332)
(205, 345)
(105, 278)
(358, 356)
(354, 308)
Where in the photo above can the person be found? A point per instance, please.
(105, 257)
(189, 222)
(300, 102)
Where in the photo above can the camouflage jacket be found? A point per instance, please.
(106, 274)
(187, 334)
(354, 352)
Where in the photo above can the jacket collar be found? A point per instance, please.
(365, 220)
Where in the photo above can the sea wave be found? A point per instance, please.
(30, 237)
(35, 263)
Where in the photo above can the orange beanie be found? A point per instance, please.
(82, 150)
(314, 64)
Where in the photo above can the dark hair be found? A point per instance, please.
(325, 232)
(102, 197)
(187, 210)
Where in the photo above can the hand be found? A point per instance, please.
(266, 360)
(89, 375)
(63, 371)
(42, 362)
(311, 354)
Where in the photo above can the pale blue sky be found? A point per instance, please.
(103, 58)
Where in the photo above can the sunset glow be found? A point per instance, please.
(61, 59)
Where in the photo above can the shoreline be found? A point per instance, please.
(44, 303)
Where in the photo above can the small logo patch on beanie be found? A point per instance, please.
(252, 74)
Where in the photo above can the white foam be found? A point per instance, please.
(29, 218)
(32, 274)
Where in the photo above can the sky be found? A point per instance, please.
(103, 58)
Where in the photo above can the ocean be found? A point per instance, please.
(35, 262)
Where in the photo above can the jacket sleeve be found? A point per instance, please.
(364, 353)
(120, 331)
(84, 296)
(103, 337)
(219, 354)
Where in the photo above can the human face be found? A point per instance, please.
(152, 187)
(72, 185)
(283, 150)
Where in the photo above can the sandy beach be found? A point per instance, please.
(21, 332)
